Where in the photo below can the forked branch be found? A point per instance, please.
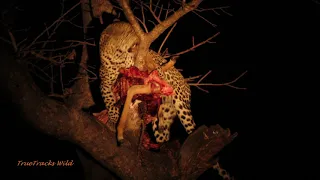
(131, 18)
(194, 46)
(147, 38)
(58, 20)
(159, 29)
(229, 84)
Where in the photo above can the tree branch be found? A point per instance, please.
(59, 19)
(229, 84)
(160, 28)
(199, 150)
(147, 38)
(194, 46)
(82, 97)
(165, 39)
(131, 18)
(67, 122)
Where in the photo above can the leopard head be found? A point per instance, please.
(118, 44)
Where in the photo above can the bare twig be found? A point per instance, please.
(165, 39)
(5, 40)
(143, 24)
(152, 22)
(190, 79)
(194, 46)
(19, 43)
(173, 18)
(143, 18)
(59, 19)
(204, 76)
(78, 43)
(159, 15)
(229, 84)
(154, 14)
(213, 25)
(13, 40)
(44, 58)
(81, 42)
(50, 35)
(222, 8)
(167, 11)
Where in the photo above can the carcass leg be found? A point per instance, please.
(133, 90)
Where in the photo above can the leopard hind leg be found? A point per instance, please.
(182, 105)
(166, 115)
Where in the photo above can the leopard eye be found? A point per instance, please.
(133, 47)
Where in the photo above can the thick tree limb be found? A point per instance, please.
(197, 152)
(82, 97)
(131, 18)
(69, 123)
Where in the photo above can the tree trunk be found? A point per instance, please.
(67, 121)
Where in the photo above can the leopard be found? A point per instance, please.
(118, 49)
(118, 44)
(178, 104)
(115, 46)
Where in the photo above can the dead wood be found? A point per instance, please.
(68, 122)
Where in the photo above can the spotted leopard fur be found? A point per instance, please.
(176, 105)
(116, 44)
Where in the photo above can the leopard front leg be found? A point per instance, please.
(113, 112)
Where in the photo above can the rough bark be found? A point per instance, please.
(147, 38)
(66, 121)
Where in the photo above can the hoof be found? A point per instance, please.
(120, 141)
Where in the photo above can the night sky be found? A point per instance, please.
(227, 59)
